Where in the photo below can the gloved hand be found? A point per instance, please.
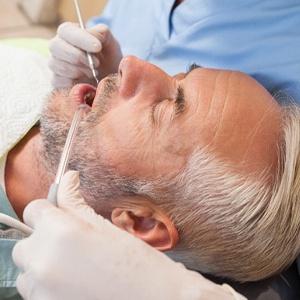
(75, 254)
(69, 63)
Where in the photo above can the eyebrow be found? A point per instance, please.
(180, 98)
(192, 67)
(179, 101)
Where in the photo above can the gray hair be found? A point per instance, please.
(231, 224)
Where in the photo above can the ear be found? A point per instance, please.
(154, 228)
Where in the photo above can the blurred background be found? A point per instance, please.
(40, 18)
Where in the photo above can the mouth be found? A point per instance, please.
(83, 93)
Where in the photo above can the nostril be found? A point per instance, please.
(129, 76)
(128, 64)
(120, 72)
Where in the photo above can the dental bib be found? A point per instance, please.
(24, 85)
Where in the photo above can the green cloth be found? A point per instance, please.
(36, 44)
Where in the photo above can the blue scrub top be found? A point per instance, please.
(260, 38)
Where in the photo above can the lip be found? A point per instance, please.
(79, 92)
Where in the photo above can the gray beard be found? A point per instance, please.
(99, 183)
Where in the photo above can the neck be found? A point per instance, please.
(25, 178)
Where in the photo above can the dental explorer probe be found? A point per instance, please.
(88, 55)
(65, 157)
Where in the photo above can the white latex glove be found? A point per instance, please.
(69, 63)
(75, 254)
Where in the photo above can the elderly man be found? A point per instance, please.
(191, 164)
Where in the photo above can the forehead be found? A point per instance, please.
(216, 79)
(233, 114)
(225, 90)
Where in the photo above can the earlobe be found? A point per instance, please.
(156, 229)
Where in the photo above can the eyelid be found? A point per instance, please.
(153, 107)
(179, 103)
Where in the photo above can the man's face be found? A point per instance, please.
(144, 123)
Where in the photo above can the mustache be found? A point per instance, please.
(110, 84)
(104, 99)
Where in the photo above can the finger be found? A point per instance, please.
(71, 71)
(35, 211)
(19, 255)
(23, 286)
(79, 37)
(65, 51)
(101, 32)
(61, 82)
(68, 195)
(70, 200)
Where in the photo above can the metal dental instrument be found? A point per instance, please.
(88, 55)
(65, 157)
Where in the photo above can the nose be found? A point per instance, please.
(137, 76)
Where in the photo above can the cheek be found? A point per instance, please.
(125, 141)
(61, 106)
(134, 149)
(181, 140)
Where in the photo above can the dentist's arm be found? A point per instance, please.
(75, 254)
(68, 48)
